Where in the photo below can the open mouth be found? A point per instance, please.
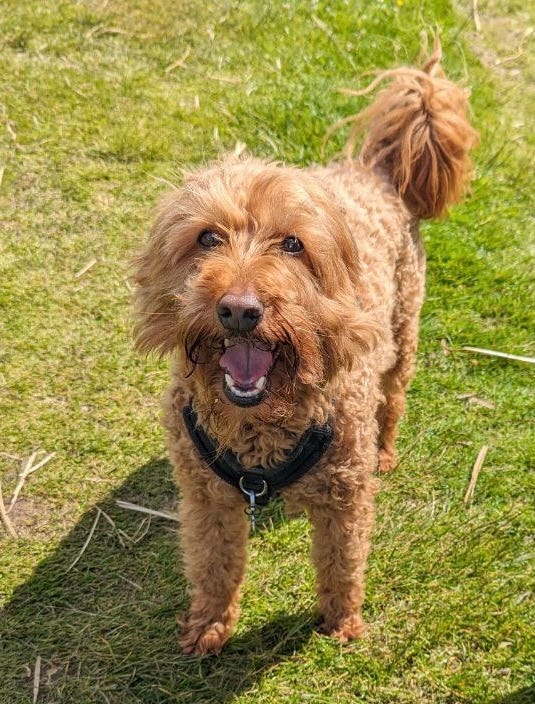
(247, 365)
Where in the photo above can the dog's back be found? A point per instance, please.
(414, 162)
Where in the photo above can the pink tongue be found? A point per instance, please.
(246, 363)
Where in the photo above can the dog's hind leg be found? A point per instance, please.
(394, 382)
(214, 540)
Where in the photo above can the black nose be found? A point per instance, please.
(239, 312)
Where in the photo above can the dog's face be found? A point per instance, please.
(251, 275)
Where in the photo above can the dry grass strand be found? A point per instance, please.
(475, 474)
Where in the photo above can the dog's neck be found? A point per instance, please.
(258, 436)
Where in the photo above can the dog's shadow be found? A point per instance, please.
(105, 630)
(523, 696)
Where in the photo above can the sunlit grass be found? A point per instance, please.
(94, 119)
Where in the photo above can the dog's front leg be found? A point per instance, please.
(214, 542)
(340, 543)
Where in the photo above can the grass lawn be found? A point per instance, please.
(101, 103)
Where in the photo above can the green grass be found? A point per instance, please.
(90, 125)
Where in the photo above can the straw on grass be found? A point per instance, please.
(503, 355)
(475, 473)
(99, 30)
(87, 541)
(475, 16)
(36, 678)
(120, 533)
(85, 268)
(179, 63)
(143, 509)
(29, 468)
(5, 518)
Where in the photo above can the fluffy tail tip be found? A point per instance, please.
(418, 133)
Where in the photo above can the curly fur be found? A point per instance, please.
(343, 315)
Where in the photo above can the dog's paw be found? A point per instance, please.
(203, 639)
(344, 629)
(387, 461)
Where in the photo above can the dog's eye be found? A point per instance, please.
(292, 245)
(209, 239)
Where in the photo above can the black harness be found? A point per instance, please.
(257, 484)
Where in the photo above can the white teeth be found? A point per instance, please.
(258, 387)
(226, 342)
(260, 383)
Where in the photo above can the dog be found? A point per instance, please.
(288, 300)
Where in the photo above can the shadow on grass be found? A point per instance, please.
(106, 629)
(523, 696)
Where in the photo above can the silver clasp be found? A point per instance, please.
(251, 511)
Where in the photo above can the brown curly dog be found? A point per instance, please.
(289, 301)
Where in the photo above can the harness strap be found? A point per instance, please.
(262, 483)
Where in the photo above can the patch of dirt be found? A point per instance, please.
(505, 45)
(34, 518)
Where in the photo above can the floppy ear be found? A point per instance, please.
(350, 335)
(155, 301)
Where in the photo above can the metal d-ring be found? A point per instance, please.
(249, 491)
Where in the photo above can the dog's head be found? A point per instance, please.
(251, 275)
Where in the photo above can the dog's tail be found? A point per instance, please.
(418, 133)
